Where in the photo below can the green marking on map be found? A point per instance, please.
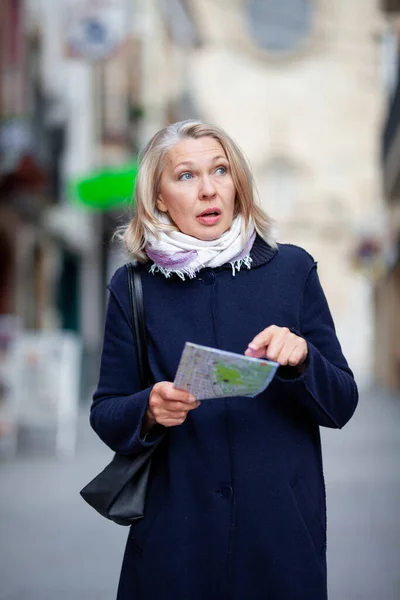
(227, 374)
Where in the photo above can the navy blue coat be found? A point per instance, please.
(236, 502)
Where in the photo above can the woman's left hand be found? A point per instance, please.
(281, 345)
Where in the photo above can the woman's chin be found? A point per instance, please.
(210, 237)
(208, 234)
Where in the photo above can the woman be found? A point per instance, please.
(236, 500)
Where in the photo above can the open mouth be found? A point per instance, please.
(210, 217)
(211, 212)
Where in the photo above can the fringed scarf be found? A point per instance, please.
(176, 252)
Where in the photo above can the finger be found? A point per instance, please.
(188, 399)
(262, 339)
(171, 393)
(174, 407)
(172, 422)
(290, 342)
(293, 353)
(192, 405)
(276, 346)
(164, 415)
(181, 416)
(298, 355)
(169, 418)
(173, 410)
(284, 355)
(260, 353)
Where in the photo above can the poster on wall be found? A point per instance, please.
(45, 383)
(94, 29)
(10, 328)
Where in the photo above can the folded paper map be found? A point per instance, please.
(210, 373)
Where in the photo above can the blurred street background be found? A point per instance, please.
(54, 546)
(310, 89)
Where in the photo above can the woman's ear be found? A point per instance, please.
(161, 204)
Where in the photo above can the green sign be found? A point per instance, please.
(105, 189)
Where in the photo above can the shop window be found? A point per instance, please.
(279, 187)
(279, 26)
(180, 22)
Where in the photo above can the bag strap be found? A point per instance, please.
(138, 323)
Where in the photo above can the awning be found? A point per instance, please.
(105, 189)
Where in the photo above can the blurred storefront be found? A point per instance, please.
(90, 70)
(29, 167)
(388, 286)
(69, 108)
(24, 175)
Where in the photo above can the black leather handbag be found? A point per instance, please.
(119, 492)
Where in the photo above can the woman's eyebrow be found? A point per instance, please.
(220, 157)
(189, 163)
(184, 163)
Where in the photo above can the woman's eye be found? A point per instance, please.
(185, 177)
(221, 170)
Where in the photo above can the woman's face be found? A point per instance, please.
(196, 188)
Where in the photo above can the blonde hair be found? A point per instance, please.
(144, 221)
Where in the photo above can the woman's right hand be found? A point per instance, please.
(169, 406)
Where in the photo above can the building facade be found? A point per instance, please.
(298, 85)
(388, 286)
(28, 162)
(89, 67)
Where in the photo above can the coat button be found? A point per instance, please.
(207, 276)
(226, 491)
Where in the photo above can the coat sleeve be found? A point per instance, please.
(119, 405)
(326, 389)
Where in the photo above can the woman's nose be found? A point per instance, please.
(207, 189)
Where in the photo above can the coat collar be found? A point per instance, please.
(261, 253)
